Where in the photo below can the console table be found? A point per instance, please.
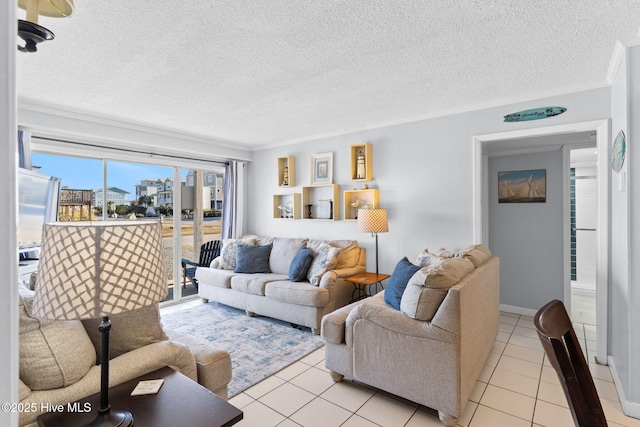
(180, 402)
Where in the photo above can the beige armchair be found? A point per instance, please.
(433, 362)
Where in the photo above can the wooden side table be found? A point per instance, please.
(180, 402)
(362, 281)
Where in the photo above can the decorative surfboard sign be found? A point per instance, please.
(534, 114)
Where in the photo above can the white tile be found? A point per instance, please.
(348, 395)
(467, 414)
(526, 321)
(386, 411)
(528, 354)
(498, 347)
(478, 390)
(424, 419)
(313, 380)
(287, 399)
(358, 421)
(264, 387)
(549, 375)
(241, 400)
(320, 413)
(288, 423)
(509, 319)
(550, 415)
(489, 417)
(292, 371)
(525, 342)
(606, 389)
(257, 414)
(492, 359)
(510, 402)
(525, 332)
(506, 327)
(485, 374)
(503, 337)
(552, 393)
(601, 372)
(519, 366)
(613, 413)
(515, 382)
(314, 358)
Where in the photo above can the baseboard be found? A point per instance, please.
(630, 409)
(518, 310)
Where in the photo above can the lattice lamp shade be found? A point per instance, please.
(373, 221)
(88, 270)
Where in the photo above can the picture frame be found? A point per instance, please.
(524, 186)
(322, 168)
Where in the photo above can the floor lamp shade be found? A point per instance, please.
(88, 270)
(373, 221)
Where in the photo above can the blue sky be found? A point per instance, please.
(85, 174)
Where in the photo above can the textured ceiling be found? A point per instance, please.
(267, 72)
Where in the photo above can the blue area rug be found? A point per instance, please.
(259, 346)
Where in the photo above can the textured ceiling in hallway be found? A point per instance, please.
(266, 72)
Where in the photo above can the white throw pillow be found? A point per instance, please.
(230, 250)
(325, 259)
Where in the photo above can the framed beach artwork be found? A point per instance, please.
(322, 169)
(526, 186)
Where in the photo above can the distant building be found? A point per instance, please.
(160, 190)
(213, 181)
(114, 194)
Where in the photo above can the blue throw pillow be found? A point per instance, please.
(398, 282)
(253, 259)
(300, 265)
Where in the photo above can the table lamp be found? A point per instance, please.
(91, 270)
(373, 221)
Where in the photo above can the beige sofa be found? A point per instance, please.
(272, 293)
(429, 352)
(58, 358)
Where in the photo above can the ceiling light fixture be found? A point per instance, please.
(30, 31)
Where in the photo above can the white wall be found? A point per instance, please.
(424, 171)
(8, 213)
(528, 237)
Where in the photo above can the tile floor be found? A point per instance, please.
(517, 388)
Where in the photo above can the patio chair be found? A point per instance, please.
(208, 252)
(563, 350)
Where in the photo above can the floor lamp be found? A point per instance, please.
(373, 221)
(92, 270)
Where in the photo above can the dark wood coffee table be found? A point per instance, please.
(180, 402)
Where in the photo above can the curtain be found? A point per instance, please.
(233, 200)
(24, 149)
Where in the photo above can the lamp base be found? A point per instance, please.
(113, 419)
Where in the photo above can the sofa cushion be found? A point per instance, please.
(53, 353)
(300, 265)
(129, 330)
(215, 276)
(229, 252)
(349, 253)
(325, 258)
(398, 282)
(299, 293)
(283, 252)
(477, 254)
(254, 283)
(426, 258)
(253, 259)
(428, 287)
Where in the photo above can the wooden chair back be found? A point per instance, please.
(561, 346)
(209, 251)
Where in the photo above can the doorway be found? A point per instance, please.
(533, 140)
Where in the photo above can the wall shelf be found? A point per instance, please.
(321, 202)
(369, 198)
(291, 202)
(361, 162)
(287, 171)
